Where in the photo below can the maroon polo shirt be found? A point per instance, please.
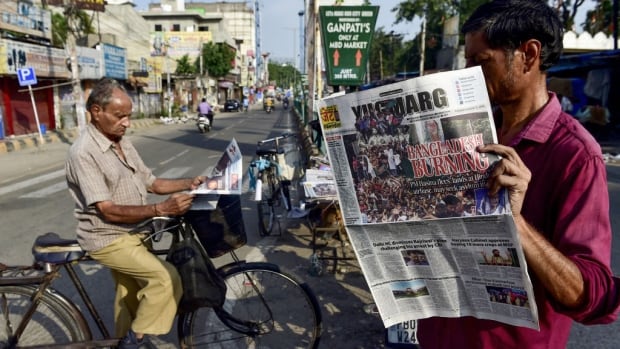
(567, 200)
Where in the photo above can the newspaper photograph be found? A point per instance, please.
(412, 190)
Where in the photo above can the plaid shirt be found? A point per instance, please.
(96, 173)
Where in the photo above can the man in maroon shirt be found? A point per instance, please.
(556, 178)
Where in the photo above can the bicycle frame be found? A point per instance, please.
(41, 276)
(42, 283)
(269, 175)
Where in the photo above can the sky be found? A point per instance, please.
(280, 24)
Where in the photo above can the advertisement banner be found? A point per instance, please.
(177, 44)
(347, 33)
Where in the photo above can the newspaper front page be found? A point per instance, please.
(412, 190)
(223, 178)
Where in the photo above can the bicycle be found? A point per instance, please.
(272, 188)
(265, 307)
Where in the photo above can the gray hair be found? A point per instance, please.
(102, 92)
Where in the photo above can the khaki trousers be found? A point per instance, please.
(148, 289)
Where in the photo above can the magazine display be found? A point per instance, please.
(412, 190)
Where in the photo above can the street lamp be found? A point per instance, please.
(301, 42)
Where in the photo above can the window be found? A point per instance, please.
(158, 27)
(203, 28)
(176, 27)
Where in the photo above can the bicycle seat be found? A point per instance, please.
(263, 152)
(51, 248)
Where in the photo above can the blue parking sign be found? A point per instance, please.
(26, 76)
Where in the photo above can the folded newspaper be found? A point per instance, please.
(412, 190)
(223, 178)
(319, 184)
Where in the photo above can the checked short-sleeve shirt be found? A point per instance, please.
(95, 173)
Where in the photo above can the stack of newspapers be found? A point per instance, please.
(319, 184)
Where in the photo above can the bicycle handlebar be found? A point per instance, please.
(277, 138)
(158, 226)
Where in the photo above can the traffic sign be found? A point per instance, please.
(347, 33)
(26, 76)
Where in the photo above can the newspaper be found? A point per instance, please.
(411, 187)
(223, 178)
(319, 184)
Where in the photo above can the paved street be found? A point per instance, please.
(34, 200)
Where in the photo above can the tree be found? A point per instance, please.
(60, 30)
(600, 19)
(567, 10)
(385, 52)
(435, 13)
(283, 75)
(217, 59)
(184, 66)
(72, 22)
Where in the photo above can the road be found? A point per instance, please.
(34, 200)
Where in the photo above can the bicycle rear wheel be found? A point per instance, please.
(54, 321)
(285, 312)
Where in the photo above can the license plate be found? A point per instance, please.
(403, 335)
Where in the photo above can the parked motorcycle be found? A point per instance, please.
(203, 124)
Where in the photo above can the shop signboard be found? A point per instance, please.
(89, 62)
(47, 61)
(114, 61)
(26, 18)
(347, 33)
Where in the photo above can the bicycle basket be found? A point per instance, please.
(221, 230)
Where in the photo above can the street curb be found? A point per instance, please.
(53, 136)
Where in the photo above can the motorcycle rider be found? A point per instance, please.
(245, 103)
(204, 109)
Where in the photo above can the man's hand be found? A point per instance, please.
(176, 204)
(510, 172)
(196, 182)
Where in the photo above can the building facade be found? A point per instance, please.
(124, 47)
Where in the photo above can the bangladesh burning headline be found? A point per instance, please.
(439, 158)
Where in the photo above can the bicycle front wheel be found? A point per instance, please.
(54, 320)
(266, 206)
(283, 311)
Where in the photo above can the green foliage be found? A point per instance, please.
(567, 10)
(217, 59)
(600, 18)
(185, 67)
(74, 22)
(60, 30)
(283, 75)
(398, 55)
